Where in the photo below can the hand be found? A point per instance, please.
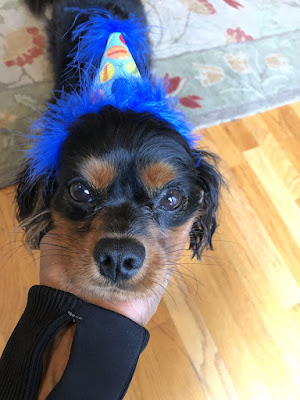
(53, 274)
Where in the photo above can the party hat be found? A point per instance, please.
(117, 63)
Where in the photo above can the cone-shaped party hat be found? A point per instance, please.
(117, 63)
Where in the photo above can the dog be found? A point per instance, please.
(128, 189)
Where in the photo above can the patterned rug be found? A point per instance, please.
(225, 59)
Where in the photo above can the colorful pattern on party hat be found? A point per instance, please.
(117, 62)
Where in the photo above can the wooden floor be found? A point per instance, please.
(233, 330)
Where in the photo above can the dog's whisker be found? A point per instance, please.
(51, 265)
(38, 257)
(64, 235)
(152, 290)
(193, 275)
(178, 287)
(61, 247)
(184, 274)
(226, 241)
(175, 263)
(174, 251)
(56, 245)
(61, 241)
(166, 290)
(177, 244)
(58, 239)
(13, 251)
(11, 242)
(208, 256)
(199, 263)
(184, 266)
(173, 270)
(52, 255)
(188, 284)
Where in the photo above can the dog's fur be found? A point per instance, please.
(129, 162)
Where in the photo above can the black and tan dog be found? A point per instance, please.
(129, 189)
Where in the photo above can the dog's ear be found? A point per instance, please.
(33, 201)
(209, 181)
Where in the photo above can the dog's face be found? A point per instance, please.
(127, 197)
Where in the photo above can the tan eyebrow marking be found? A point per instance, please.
(100, 173)
(157, 174)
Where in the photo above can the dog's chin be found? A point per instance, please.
(112, 292)
(131, 289)
(118, 293)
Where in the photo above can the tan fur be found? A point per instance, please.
(100, 173)
(156, 175)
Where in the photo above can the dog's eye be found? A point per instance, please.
(80, 193)
(171, 200)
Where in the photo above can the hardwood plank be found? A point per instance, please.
(294, 314)
(17, 271)
(296, 107)
(287, 140)
(275, 123)
(261, 319)
(230, 152)
(201, 349)
(268, 214)
(276, 190)
(255, 234)
(279, 161)
(239, 135)
(158, 375)
(291, 119)
(223, 323)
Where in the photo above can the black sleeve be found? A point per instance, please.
(103, 357)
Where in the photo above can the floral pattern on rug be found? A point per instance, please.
(23, 46)
(23, 58)
(223, 59)
(236, 35)
(176, 85)
(195, 25)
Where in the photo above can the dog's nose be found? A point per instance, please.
(119, 259)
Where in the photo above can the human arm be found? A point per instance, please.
(105, 349)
